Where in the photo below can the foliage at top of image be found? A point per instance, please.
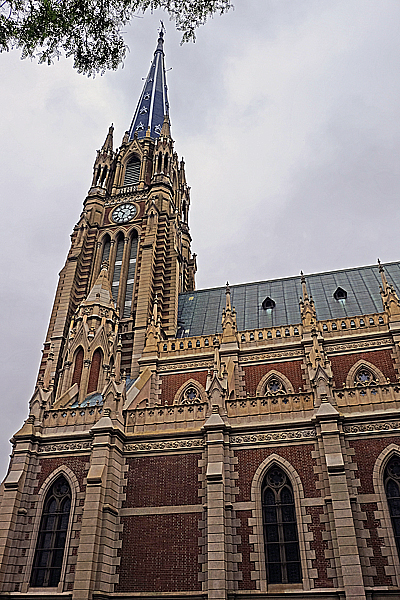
(90, 30)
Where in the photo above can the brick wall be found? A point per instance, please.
(299, 456)
(163, 480)
(375, 542)
(366, 453)
(77, 464)
(342, 364)
(171, 384)
(319, 545)
(160, 553)
(291, 369)
(246, 566)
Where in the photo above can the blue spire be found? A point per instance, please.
(153, 104)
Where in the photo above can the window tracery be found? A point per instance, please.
(49, 554)
(274, 386)
(282, 552)
(392, 488)
(191, 395)
(364, 377)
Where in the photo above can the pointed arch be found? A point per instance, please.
(263, 387)
(383, 514)
(106, 245)
(358, 367)
(257, 520)
(190, 392)
(159, 162)
(166, 163)
(132, 170)
(117, 265)
(78, 366)
(130, 278)
(94, 372)
(103, 176)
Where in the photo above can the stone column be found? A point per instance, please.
(216, 534)
(347, 559)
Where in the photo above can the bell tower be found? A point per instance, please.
(132, 242)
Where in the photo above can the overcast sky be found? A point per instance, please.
(287, 114)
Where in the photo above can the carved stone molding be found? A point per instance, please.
(371, 427)
(271, 356)
(204, 364)
(261, 438)
(165, 445)
(358, 345)
(68, 447)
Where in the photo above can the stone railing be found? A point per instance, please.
(366, 322)
(271, 407)
(162, 418)
(369, 398)
(189, 345)
(72, 416)
(271, 334)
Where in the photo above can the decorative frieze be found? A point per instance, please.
(279, 436)
(271, 356)
(372, 427)
(358, 345)
(67, 447)
(203, 364)
(165, 445)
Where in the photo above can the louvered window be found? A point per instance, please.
(106, 251)
(131, 276)
(76, 377)
(94, 372)
(47, 564)
(132, 171)
(117, 268)
(281, 540)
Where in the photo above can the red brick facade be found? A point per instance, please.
(163, 480)
(77, 464)
(298, 456)
(375, 542)
(246, 566)
(160, 553)
(291, 369)
(171, 384)
(366, 453)
(342, 364)
(319, 545)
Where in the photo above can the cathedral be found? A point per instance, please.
(231, 443)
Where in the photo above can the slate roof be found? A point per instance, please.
(200, 312)
(153, 103)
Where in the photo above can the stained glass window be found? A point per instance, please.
(281, 541)
(47, 564)
(392, 487)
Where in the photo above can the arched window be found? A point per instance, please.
(117, 267)
(274, 386)
(94, 372)
(166, 163)
(49, 554)
(131, 275)
(392, 488)
(191, 395)
(106, 249)
(103, 176)
(159, 163)
(132, 171)
(77, 374)
(364, 377)
(282, 552)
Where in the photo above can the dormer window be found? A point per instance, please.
(340, 294)
(268, 303)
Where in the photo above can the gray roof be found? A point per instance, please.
(200, 312)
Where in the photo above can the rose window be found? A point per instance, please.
(191, 396)
(364, 377)
(274, 386)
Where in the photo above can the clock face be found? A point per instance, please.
(124, 213)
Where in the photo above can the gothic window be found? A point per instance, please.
(47, 563)
(191, 395)
(103, 176)
(364, 377)
(392, 488)
(117, 268)
(282, 552)
(77, 374)
(132, 171)
(131, 275)
(159, 163)
(274, 386)
(166, 163)
(94, 372)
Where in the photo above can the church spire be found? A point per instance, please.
(153, 103)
